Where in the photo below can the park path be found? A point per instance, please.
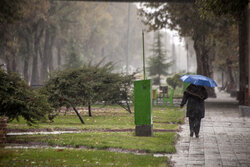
(224, 137)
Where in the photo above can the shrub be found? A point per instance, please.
(87, 85)
(18, 99)
(174, 81)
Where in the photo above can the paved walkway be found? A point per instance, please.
(224, 137)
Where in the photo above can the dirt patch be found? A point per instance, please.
(97, 110)
(24, 141)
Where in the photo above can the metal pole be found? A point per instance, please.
(143, 53)
(127, 50)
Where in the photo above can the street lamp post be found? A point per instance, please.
(127, 50)
(143, 54)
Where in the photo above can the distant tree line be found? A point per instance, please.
(51, 42)
(38, 37)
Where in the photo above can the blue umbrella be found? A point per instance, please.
(199, 80)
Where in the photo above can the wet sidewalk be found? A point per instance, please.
(224, 137)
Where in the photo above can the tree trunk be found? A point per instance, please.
(7, 61)
(50, 53)
(126, 107)
(203, 62)
(231, 82)
(66, 110)
(129, 110)
(59, 57)
(204, 65)
(79, 116)
(89, 108)
(44, 67)
(35, 75)
(35, 79)
(10, 59)
(243, 29)
(13, 63)
(26, 62)
(25, 70)
(222, 79)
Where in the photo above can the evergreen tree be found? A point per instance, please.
(17, 100)
(157, 62)
(73, 60)
(174, 67)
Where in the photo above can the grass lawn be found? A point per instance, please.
(159, 143)
(107, 118)
(167, 118)
(67, 157)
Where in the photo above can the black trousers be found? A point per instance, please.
(194, 124)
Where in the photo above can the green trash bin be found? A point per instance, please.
(143, 108)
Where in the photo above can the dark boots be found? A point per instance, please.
(194, 125)
(191, 134)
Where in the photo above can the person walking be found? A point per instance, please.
(194, 96)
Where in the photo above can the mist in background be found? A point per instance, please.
(52, 36)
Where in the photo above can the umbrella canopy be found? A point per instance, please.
(199, 80)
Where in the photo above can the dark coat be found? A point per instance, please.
(195, 96)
